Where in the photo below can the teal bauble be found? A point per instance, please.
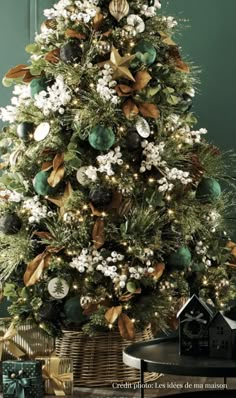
(41, 184)
(145, 52)
(180, 259)
(24, 130)
(37, 85)
(208, 190)
(73, 310)
(101, 138)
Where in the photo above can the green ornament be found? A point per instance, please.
(37, 85)
(208, 190)
(145, 52)
(101, 138)
(73, 310)
(180, 259)
(131, 287)
(41, 184)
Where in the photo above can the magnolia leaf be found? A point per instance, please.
(126, 327)
(95, 212)
(58, 161)
(35, 269)
(72, 33)
(152, 91)
(123, 90)
(142, 78)
(181, 66)
(230, 245)
(44, 235)
(167, 39)
(126, 297)
(97, 21)
(158, 271)
(47, 165)
(116, 200)
(55, 250)
(130, 109)
(98, 233)
(53, 56)
(56, 176)
(149, 110)
(233, 252)
(113, 313)
(90, 309)
(28, 77)
(61, 200)
(17, 71)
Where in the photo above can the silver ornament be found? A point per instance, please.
(58, 288)
(104, 47)
(82, 178)
(142, 127)
(137, 22)
(41, 131)
(128, 31)
(85, 300)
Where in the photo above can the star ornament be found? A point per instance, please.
(120, 65)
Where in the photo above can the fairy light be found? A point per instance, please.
(171, 212)
(16, 317)
(81, 45)
(151, 180)
(180, 146)
(78, 212)
(81, 219)
(104, 214)
(113, 179)
(75, 102)
(110, 326)
(132, 43)
(156, 314)
(168, 197)
(135, 176)
(133, 320)
(75, 287)
(31, 136)
(91, 85)
(59, 259)
(85, 207)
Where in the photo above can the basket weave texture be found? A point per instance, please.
(97, 361)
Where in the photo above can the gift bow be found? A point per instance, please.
(57, 380)
(16, 386)
(11, 345)
(197, 318)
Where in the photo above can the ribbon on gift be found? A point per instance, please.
(57, 380)
(11, 345)
(197, 318)
(16, 384)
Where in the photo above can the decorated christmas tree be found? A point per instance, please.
(112, 209)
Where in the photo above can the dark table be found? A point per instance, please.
(162, 356)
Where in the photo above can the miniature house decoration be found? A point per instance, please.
(222, 337)
(194, 318)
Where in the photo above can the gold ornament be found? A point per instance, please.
(128, 31)
(85, 301)
(120, 65)
(104, 47)
(119, 9)
(48, 24)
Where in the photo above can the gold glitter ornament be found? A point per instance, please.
(119, 9)
(128, 31)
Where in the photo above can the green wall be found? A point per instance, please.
(210, 43)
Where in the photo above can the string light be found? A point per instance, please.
(168, 198)
(85, 207)
(133, 320)
(75, 287)
(170, 212)
(110, 326)
(151, 180)
(91, 85)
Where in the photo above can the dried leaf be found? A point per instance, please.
(28, 77)
(53, 56)
(130, 109)
(72, 33)
(47, 165)
(230, 245)
(177, 60)
(116, 200)
(97, 21)
(126, 327)
(98, 233)
(123, 90)
(126, 297)
(61, 200)
(35, 269)
(55, 250)
(167, 39)
(233, 252)
(17, 71)
(90, 309)
(95, 212)
(142, 78)
(43, 235)
(113, 313)
(149, 110)
(159, 269)
(56, 176)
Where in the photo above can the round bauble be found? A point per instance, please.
(185, 104)
(180, 259)
(42, 131)
(49, 312)
(103, 47)
(145, 52)
(100, 197)
(101, 138)
(58, 288)
(133, 141)
(73, 310)
(128, 31)
(71, 52)
(41, 184)
(131, 287)
(24, 130)
(81, 177)
(85, 301)
(208, 190)
(10, 224)
(37, 85)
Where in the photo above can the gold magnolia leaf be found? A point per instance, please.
(56, 176)
(142, 78)
(126, 327)
(35, 269)
(113, 313)
(230, 245)
(175, 57)
(149, 110)
(181, 66)
(58, 160)
(61, 200)
(17, 71)
(53, 56)
(97, 21)
(43, 235)
(47, 165)
(158, 271)
(130, 109)
(74, 34)
(95, 212)
(98, 233)
(167, 39)
(233, 251)
(123, 90)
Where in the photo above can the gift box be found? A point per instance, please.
(58, 375)
(22, 379)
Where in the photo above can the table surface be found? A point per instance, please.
(162, 355)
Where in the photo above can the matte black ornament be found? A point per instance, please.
(70, 52)
(24, 130)
(133, 141)
(100, 196)
(10, 224)
(49, 312)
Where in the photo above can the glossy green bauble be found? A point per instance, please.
(73, 310)
(10, 224)
(37, 85)
(24, 130)
(131, 287)
(101, 138)
(180, 259)
(145, 52)
(41, 184)
(208, 190)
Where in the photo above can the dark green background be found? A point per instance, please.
(209, 42)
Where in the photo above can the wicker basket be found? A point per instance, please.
(98, 360)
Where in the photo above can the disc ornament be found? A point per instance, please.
(42, 131)
(58, 288)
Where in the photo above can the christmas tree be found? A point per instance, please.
(112, 207)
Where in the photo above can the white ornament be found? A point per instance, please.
(137, 22)
(58, 288)
(41, 131)
(82, 176)
(143, 127)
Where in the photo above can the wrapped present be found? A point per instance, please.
(22, 379)
(29, 340)
(58, 375)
